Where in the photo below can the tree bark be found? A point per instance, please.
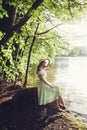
(21, 23)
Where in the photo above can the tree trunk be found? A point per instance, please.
(29, 55)
(21, 23)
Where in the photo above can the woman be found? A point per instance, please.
(47, 93)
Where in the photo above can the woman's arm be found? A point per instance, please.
(45, 81)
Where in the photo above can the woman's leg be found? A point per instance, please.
(56, 104)
(60, 100)
(61, 103)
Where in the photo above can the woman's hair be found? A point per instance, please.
(46, 61)
(38, 67)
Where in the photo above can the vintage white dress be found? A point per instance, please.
(45, 93)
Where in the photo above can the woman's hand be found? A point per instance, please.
(52, 87)
(47, 82)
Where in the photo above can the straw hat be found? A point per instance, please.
(47, 61)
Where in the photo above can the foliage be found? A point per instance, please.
(18, 21)
(78, 51)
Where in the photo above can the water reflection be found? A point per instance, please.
(71, 73)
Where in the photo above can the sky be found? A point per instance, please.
(75, 33)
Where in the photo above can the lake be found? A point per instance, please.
(71, 75)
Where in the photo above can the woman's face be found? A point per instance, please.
(43, 64)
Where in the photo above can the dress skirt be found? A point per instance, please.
(46, 94)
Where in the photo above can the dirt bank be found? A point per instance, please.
(22, 112)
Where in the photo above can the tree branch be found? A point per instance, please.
(48, 30)
(20, 23)
(27, 15)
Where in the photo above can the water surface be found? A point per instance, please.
(71, 75)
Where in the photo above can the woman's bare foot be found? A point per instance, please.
(59, 109)
(62, 107)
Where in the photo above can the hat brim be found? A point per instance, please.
(47, 62)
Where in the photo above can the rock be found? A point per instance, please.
(23, 113)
